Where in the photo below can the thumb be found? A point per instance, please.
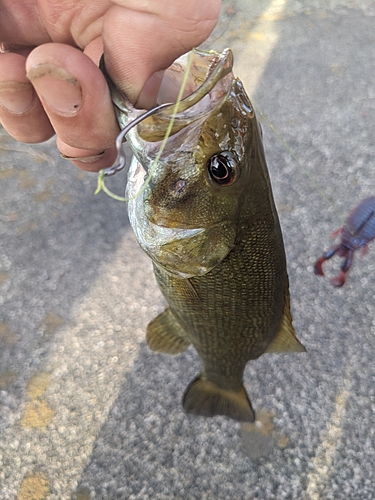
(142, 38)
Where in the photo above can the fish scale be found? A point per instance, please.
(207, 219)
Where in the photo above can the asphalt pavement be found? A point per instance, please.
(87, 411)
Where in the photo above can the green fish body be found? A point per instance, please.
(205, 215)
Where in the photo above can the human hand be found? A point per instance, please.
(68, 94)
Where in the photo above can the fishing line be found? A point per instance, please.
(121, 156)
(102, 173)
(170, 125)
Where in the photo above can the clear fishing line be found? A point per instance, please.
(103, 173)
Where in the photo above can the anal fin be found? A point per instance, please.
(285, 341)
(207, 399)
(165, 334)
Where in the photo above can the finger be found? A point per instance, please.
(86, 159)
(21, 112)
(94, 50)
(75, 97)
(142, 38)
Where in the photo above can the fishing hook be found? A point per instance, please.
(120, 161)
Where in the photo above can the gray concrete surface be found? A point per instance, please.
(87, 411)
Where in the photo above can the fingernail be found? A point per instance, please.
(57, 88)
(85, 159)
(16, 97)
(149, 94)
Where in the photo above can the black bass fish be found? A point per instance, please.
(205, 215)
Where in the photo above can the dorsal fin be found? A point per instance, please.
(286, 340)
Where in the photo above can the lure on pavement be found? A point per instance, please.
(358, 231)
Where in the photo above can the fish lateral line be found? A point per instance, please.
(234, 270)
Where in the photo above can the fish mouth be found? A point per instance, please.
(206, 69)
(208, 82)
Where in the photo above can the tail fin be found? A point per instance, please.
(207, 399)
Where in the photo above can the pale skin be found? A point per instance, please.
(49, 79)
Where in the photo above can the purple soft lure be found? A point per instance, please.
(357, 233)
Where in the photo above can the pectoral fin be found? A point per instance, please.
(286, 340)
(207, 399)
(165, 334)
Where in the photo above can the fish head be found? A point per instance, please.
(185, 205)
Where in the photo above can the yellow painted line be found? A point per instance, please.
(38, 385)
(323, 461)
(85, 367)
(38, 415)
(74, 346)
(252, 59)
(34, 487)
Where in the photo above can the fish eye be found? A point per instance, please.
(222, 168)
